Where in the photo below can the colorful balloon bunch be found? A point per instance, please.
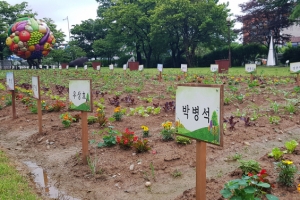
(29, 38)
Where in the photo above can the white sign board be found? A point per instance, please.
(184, 67)
(36, 87)
(111, 67)
(141, 67)
(80, 95)
(160, 67)
(47, 67)
(250, 68)
(85, 67)
(10, 81)
(295, 67)
(53, 67)
(214, 68)
(59, 67)
(98, 67)
(67, 67)
(198, 112)
(124, 67)
(76, 67)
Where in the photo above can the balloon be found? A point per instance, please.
(30, 38)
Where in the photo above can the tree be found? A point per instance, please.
(130, 20)
(186, 24)
(263, 18)
(87, 32)
(8, 15)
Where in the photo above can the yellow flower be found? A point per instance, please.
(98, 109)
(145, 128)
(288, 162)
(117, 109)
(298, 188)
(43, 101)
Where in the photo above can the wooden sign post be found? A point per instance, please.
(160, 68)
(10, 85)
(80, 95)
(250, 68)
(295, 69)
(214, 68)
(36, 95)
(184, 69)
(200, 117)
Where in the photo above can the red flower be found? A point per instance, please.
(118, 139)
(135, 138)
(249, 174)
(263, 171)
(125, 141)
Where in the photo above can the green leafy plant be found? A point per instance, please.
(109, 139)
(176, 173)
(291, 146)
(183, 140)
(235, 157)
(249, 187)
(8, 100)
(287, 171)
(290, 108)
(274, 106)
(92, 119)
(101, 118)
(274, 119)
(249, 166)
(276, 153)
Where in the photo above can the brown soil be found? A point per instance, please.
(58, 151)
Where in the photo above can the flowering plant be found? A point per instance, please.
(58, 105)
(117, 114)
(141, 145)
(168, 131)
(67, 119)
(287, 172)
(126, 139)
(145, 131)
(101, 119)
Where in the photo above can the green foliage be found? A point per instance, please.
(92, 119)
(291, 145)
(276, 153)
(109, 139)
(274, 119)
(246, 188)
(287, 171)
(291, 54)
(249, 166)
(183, 140)
(176, 173)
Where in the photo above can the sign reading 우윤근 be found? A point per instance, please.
(80, 95)
(199, 112)
(10, 81)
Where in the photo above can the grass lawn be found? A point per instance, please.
(12, 184)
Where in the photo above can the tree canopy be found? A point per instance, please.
(263, 18)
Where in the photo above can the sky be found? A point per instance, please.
(80, 10)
